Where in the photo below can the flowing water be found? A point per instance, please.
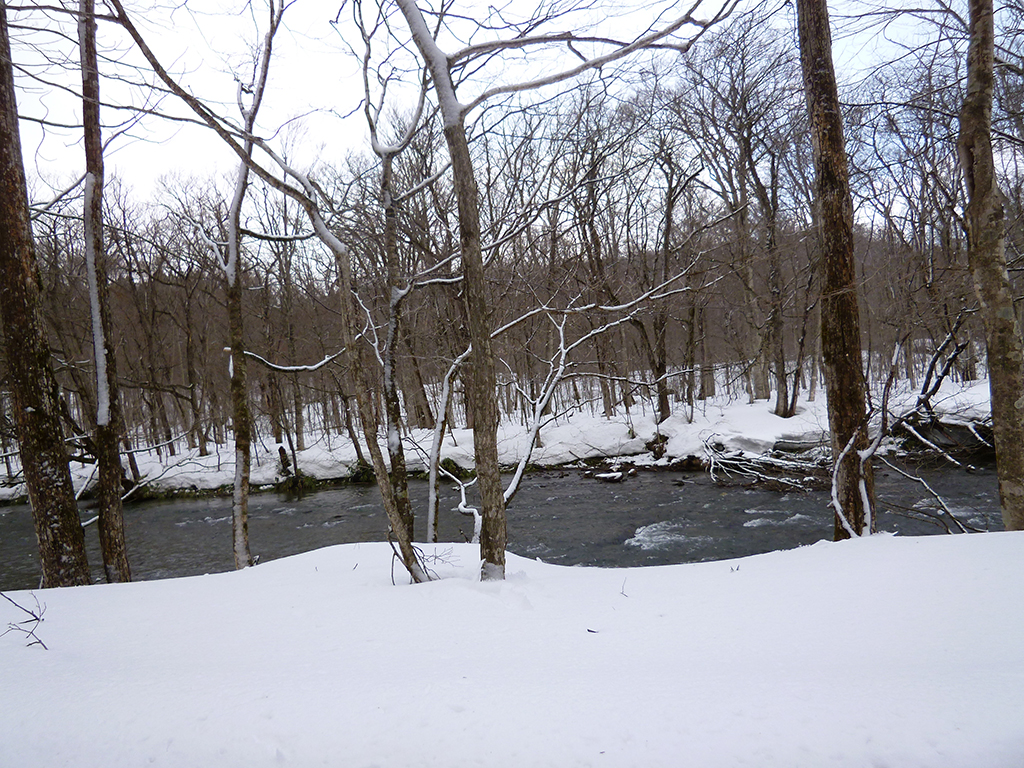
(558, 516)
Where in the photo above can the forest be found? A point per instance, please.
(543, 218)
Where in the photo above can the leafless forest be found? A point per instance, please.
(648, 231)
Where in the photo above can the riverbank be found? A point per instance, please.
(574, 438)
(834, 654)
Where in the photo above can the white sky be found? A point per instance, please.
(313, 77)
(311, 72)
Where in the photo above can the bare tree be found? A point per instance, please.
(853, 492)
(36, 409)
(228, 255)
(984, 220)
(108, 410)
(440, 65)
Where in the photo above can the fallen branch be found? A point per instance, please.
(790, 474)
(27, 626)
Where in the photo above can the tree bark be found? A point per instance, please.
(775, 327)
(241, 422)
(398, 475)
(44, 457)
(840, 317)
(987, 260)
(108, 411)
(481, 394)
(483, 401)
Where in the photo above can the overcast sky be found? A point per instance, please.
(315, 82)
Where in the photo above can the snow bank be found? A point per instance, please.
(578, 435)
(880, 652)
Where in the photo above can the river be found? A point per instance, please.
(559, 516)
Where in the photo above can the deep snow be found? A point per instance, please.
(887, 651)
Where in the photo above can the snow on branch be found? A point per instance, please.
(302, 236)
(291, 368)
(960, 526)
(648, 40)
(792, 473)
(837, 505)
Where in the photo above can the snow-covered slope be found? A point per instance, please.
(878, 652)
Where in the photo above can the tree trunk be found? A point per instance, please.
(299, 406)
(987, 260)
(481, 395)
(417, 401)
(482, 399)
(775, 327)
(840, 318)
(194, 393)
(242, 426)
(108, 411)
(707, 368)
(44, 457)
(398, 475)
(401, 527)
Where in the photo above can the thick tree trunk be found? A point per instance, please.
(108, 411)
(840, 318)
(482, 385)
(242, 427)
(44, 457)
(987, 259)
(482, 380)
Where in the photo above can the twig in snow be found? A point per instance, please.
(28, 626)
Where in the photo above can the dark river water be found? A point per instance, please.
(562, 517)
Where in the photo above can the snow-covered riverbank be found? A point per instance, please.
(575, 436)
(886, 651)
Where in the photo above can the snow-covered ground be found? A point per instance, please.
(900, 652)
(885, 651)
(579, 434)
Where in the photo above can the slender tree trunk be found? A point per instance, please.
(987, 259)
(299, 405)
(232, 266)
(194, 392)
(398, 475)
(673, 189)
(707, 367)
(840, 318)
(401, 526)
(690, 356)
(417, 391)
(273, 400)
(351, 430)
(108, 411)
(605, 373)
(775, 326)
(44, 457)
